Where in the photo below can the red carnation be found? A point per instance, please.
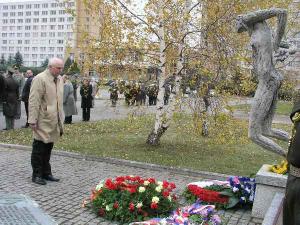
(151, 180)
(131, 206)
(153, 205)
(132, 190)
(166, 194)
(101, 212)
(116, 205)
(172, 186)
(165, 184)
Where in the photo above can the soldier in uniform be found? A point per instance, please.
(291, 207)
(113, 94)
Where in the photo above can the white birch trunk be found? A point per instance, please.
(154, 136)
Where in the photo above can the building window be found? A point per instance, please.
(27, 42)
(27, 20)
(51, 49)
(60, 41)
(11, 49)
(52, 19)
(12, 20)
(11, 34)
(28, 6)
(28, 13)
(61, 12)
(36, 13)
(20, 6)
(44, 20)
(4, 28)
(5, 14)
(19, 49)
(53, 5)
(27, 34)
(61, 19)
(4, 48)
(4, 34)
(70, 19)
(19, 42)
(60, 27)
(4, 21)
(43, 27)
(34, 49)
(19, 27)
(51, 34)
(19, 34)
(52, 27)
(36, 20)
(26, 49)
(35, 27)
(44, 12)
(12, 14)
(36, 6)
(43, 34)
(35, 34)
(20, 20)
(27, 27)
(4, 42)
(12, 28)
(20, 13)
(13, 7)
(5, 7)
(60, 49)
(52, 12)
(42, 49)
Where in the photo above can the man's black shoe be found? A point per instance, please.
(51, 178)
(38, 180)
(25, 126)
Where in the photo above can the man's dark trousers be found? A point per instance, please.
(40, 158)
(26, 110)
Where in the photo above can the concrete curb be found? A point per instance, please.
(129, 163)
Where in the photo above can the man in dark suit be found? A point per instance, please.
(291, 207)
(25, 93)
(2, 90)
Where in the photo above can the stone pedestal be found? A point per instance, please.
(267, 185)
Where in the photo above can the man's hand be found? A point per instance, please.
(33, 126)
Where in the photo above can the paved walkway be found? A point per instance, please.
(78, 175)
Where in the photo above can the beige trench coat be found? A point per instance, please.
(46, 106)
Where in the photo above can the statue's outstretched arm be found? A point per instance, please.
(246, 21)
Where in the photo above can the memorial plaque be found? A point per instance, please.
(18, 209)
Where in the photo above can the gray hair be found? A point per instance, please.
(54, 61)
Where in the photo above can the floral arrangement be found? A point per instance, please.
(282, 168)
(189, 215)
(235, 191)
(132, 198)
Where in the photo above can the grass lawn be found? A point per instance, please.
(228, 151)
(283, 107)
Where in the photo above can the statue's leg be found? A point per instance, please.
(260, 111)
(267, 129)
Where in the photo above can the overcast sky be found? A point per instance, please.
(9, 1)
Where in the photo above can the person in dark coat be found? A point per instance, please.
(86, 92)
(291, 206)
(25, 94)
(10, 103)
(2, 90)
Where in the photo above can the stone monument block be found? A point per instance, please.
(267, 185)
(21, 210)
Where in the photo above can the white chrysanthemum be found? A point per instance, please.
(155, 199)
(99, 186)
(146, 183)
(142, 189)
(158, 188)
(139, 205)
(170, 198)
(159, 183)
(235, 189)
(107, 208)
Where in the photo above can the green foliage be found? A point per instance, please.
(18, 59)
(67, 65)
(287, 90)
(45, 63)
(2, 60)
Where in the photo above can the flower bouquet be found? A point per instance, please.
(224, 194)
(132, 198)
(188, 215)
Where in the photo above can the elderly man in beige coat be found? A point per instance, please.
(45, 118)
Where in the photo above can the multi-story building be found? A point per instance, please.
(38, 29)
